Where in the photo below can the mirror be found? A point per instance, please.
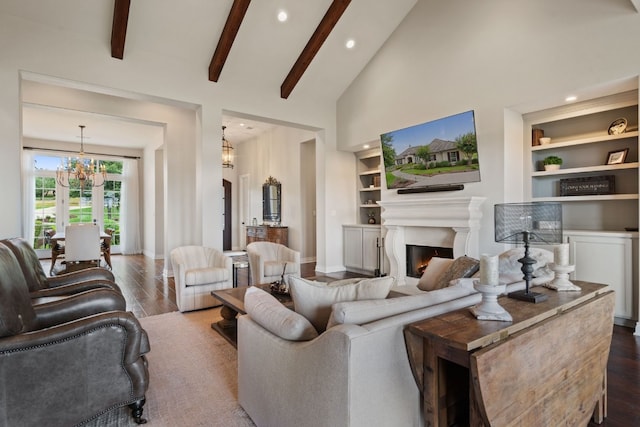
(271, 201)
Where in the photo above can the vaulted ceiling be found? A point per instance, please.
(235, 41)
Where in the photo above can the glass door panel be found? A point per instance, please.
(45, 212)
(112, 206)
(80, 205)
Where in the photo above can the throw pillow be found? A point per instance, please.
(431, 275)
(463, 266)
(510, 269)
(269, 313)
(313, 300)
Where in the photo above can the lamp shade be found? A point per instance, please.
(539, 222)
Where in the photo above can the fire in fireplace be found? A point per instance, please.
(418, 258)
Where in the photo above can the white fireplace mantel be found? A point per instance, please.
(401, 216)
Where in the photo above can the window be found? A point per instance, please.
(453, 156)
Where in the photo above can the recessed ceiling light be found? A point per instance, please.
(350, 43)
(571, 98)
(282, 16)
(365, 146)
(241, 124)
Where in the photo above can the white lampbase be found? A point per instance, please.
(561, 281)
(489, 309)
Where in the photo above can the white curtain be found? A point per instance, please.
(130, 219)
(28, 195)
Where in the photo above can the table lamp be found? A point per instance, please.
(528, 223)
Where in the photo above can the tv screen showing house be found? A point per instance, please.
(436, 153)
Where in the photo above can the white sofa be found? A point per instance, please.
(355, 373)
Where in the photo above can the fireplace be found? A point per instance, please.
(448, 222)
(418, 257)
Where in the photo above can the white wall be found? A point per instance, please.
(308, 194)
(275, 153)
(187, 103)
(494, 57)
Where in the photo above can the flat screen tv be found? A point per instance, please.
(438, 155)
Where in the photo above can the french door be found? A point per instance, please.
(55, 206)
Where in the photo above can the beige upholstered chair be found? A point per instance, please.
(198, 271)
(82, 245)
(267, 261)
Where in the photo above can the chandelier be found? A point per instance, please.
(227, 152)
(81, 172)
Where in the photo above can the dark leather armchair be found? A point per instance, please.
(65, 284)
(66, 361)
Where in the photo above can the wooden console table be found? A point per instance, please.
(547, 367)
(267, 233)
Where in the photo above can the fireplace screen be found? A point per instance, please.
(418, 258)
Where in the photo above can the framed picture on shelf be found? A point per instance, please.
(617, 157)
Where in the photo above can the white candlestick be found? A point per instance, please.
(561, 254)
(489, 270)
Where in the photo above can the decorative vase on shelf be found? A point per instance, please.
(372, 218)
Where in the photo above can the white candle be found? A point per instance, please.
(561, 254)
(489, 270)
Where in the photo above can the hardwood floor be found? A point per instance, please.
(143, 285)
(149, 293)
(623, 378)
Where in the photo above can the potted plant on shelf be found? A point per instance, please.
(552, 163)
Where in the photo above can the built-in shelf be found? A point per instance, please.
(368, 167)
(599, 168)
(579, 136)
(600, 250)
(370, 172)
(569, 142)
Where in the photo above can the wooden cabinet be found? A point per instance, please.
(369, 170)
(265, 233)
(361, 249)
(607, 257)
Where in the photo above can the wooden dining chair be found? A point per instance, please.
(82, 246)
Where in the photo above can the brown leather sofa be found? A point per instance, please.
(70, 360)
(65, 284)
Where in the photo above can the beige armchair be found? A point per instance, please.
(198, 271)
(267, 261)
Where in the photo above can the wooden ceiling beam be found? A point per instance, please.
(119, 28)
(231, 27)
(321, 33)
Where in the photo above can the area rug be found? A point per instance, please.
(192, 375)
